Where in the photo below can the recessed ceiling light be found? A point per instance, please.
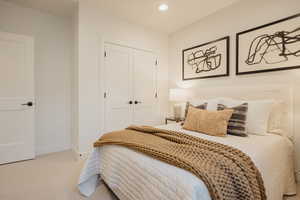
(163, 7)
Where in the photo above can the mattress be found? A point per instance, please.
(134, 176)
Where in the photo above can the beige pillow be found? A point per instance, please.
(209, 122)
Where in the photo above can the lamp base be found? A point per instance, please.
(177, 111)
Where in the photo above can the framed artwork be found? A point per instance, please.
(207, 60)
(270, 47)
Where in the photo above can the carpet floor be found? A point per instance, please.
(49, 177)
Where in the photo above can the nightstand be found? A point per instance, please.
(173, 120)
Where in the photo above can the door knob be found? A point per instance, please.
(27, 104)
(130, 102)
(136, 102)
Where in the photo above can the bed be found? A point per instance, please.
(133, 176)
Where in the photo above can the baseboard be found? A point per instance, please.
(46, 149)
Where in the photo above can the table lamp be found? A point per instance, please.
(177, 96)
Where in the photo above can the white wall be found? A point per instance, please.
(96, 25)
(53, 43)
(238, 17)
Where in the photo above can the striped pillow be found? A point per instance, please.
(237, 122)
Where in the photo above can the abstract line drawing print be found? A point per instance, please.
(276, 48)
(205, 61)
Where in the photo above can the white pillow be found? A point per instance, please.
(277, 124)
(212, 104)
(257, 116)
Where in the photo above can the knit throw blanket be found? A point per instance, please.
(228, 173)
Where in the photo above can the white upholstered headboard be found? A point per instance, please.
(282, 93)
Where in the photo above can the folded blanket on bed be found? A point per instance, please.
(228, 173)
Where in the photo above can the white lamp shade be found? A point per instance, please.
(178, 95)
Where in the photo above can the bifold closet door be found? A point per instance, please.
(144, 87)
(118, 87)
(130, 87)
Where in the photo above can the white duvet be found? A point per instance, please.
(134, 176)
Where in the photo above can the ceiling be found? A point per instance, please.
(65, 8)
(143, 12)
(180, 14)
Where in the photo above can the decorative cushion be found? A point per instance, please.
(209, 122)
(237, 122)
(188, 104)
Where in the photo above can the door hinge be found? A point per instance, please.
(105, 54)
(156, 63)
(105, 95)
(156, 95)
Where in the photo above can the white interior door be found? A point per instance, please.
(16, 88)
(144, 87)
(118, 84)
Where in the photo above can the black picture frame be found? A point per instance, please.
(227, 39)
(238, 72)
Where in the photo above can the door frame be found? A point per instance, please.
(102, 82)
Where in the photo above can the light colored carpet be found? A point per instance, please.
(49, 177)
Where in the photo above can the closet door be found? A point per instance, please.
(144, 87)
(118, 84)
